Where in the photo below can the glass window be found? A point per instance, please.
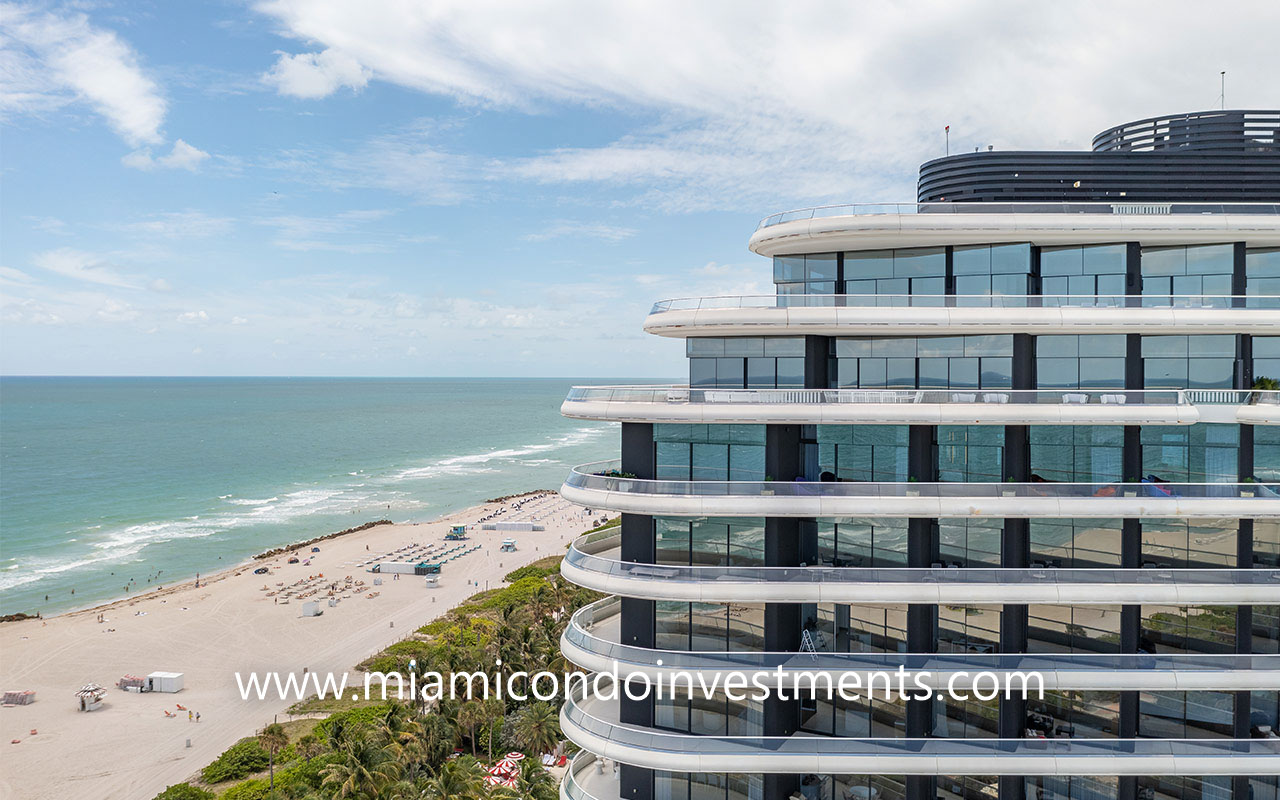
(862, 452)
(1201, 453)
(1262, 277)
(1075, 543)
(788, 268)
(702, 373)
(1077, 453)
(709, 452)
(1073, 629)
(1087, 361)
(970, 453)
(1189, 362)
(820, 267)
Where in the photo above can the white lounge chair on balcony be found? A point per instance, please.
(995, 397)
(1113, 399)
(964, 397)
(1075, 398)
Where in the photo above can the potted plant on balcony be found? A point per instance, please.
(767, 490)
(1248, 491)
(1130, 487)
(913, 492)
(1009, 491)
(1263, 384)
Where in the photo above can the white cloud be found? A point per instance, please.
(116, 311)
(53, 55)
(580, 230)
(239, 321)
(160, 285)
(82, 266)
(183, 156)
(194, 317)
(179, 225)
(15, 276)
(312, 75)
(799, 102)
(343, 232)
(408, 162)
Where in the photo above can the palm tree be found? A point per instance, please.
(366, 769)
(536, 728)
(535, 782)
(471, 714)
(437, 738)
(273, 739)
(494, 710)
(310, 746)
(459, 779)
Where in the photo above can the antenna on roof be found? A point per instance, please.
(947, 130)
(1222, 98)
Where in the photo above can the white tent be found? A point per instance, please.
(164, 682)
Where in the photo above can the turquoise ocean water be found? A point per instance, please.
(107, 480)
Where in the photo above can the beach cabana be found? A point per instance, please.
(508, 546)
(89, 698)
(164, 682)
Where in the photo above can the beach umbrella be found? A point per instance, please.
(514, 756)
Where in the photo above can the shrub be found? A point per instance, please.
(542, 568)
(256, 789)
(306, 775)
(519, 593)
(354, 721)
(184, 791)
(241, 759)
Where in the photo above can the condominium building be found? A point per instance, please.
(1026, 424)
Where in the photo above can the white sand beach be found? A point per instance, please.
(129, 748)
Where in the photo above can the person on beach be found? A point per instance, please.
(189, 715)
(197, 716)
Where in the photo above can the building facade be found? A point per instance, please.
(961, 437)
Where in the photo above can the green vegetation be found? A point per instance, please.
(392, 750)
(240, 760)
(185, 791)
(611, 523)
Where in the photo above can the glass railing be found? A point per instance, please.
(1253, 301)
(711, 749)
(572, 787)
(579, 633)
(605, 476)
(852, 209)
(583, 554)
(1052, 397)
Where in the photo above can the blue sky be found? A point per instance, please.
(486, 188)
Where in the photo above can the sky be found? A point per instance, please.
(480, 188)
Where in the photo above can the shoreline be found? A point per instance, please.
(221, 571)
(230, 624)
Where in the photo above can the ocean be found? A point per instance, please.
(104, 481)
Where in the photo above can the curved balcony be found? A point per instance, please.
(933, 315)
(593, 725)
(683, 404)
(600, 486)
(592, 641)
(888, 225)
(591, 778)
(593, 561)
